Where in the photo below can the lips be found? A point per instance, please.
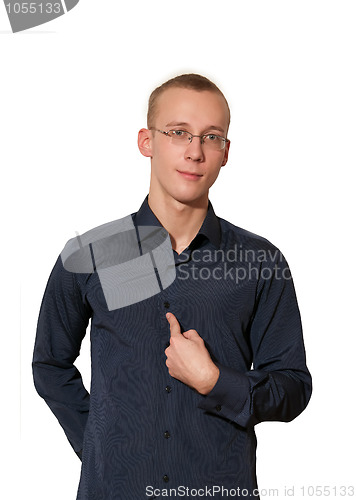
(190, 175)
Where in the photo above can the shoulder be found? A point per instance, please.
(77, 254)
(248, 246)
(231, 231)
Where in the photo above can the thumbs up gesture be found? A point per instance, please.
(188, 360)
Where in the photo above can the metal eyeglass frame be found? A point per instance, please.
(190, 136)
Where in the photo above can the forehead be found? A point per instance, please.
(198, 109)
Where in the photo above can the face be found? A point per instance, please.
(185, 173)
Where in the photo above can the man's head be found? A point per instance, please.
(190, 81)
(184, 170)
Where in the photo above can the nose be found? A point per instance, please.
(194, 150)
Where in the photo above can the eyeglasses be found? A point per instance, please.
(184, 138)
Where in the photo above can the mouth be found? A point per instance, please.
(189, 175)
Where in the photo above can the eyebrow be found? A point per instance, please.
(184, 124)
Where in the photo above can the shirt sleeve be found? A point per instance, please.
(279, 385)
(63, 319)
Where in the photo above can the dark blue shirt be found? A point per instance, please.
(142, 433)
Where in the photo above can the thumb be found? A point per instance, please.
(173, 323)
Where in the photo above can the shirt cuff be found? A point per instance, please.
(229, 395)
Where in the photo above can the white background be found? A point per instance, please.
(73, 95)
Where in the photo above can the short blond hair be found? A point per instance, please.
(191, 81)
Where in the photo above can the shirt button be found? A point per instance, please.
(218, 407)
(168, 388)
(165, 478)
(166, 304)
(167, 435)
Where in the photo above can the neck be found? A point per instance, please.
(181, 220)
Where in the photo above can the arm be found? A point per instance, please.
(62, 324)
(279, 386)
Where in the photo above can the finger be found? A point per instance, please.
(192, 335)
(173, 323)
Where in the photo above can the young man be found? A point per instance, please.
(174, 398)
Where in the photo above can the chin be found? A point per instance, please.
(190, 198)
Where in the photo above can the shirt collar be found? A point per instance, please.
(210, 227)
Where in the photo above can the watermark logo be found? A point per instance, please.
(133, 263)
(25, 15)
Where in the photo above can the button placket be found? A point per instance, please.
(168, 389)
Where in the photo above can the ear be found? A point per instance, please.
(144, 142)
(226, 154)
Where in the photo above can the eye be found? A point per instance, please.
(211, 137)
(178, 133)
